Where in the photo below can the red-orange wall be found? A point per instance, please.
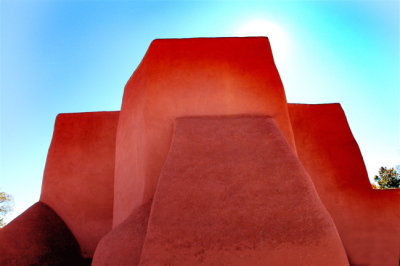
(38, 237)
(188, 77)
(123, 244)
(78, 182)
(232, 192)
(367, 220)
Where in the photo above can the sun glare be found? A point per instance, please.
(276, 34)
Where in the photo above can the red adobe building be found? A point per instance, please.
(206, 164)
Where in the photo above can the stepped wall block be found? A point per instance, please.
(232, 192)
(188, 77)
(367, 219)
(78, 182)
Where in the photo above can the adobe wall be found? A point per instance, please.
(123, 244)
(188, 77)
(367, 220)
(78, 182)
(232, 192)
(38, 237)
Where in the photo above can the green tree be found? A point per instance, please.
(388, 178)
(6, 201)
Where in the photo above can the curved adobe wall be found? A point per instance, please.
(123, 244)
(367, 220)
(38, 237)
(188, 77)
(78, 182)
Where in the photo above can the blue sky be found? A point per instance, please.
(76, 56)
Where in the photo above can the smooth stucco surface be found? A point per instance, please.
(367, 220)
(78, 182)
(188, 77)
(38, 237)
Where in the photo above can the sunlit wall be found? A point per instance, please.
(76, 56)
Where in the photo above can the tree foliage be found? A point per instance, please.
(388, 178)
(6, 201)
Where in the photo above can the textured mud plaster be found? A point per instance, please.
(188, 77)
(367, 220)
(123, 245)
(232, 192)
(38, 237)
(78, 180)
